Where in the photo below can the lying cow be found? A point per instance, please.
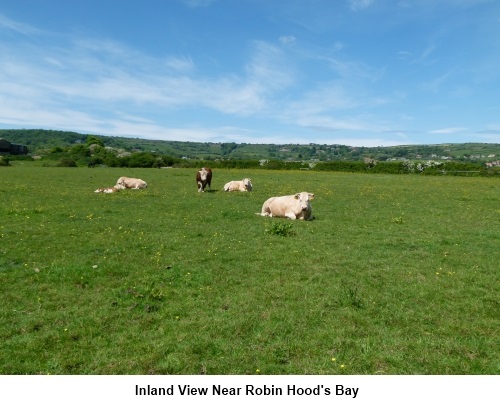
(243, 185)
(107, 190)
(289, 206)
(130, 182)
(204, 178)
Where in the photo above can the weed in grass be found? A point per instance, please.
(281, 229)
(398, 220)
(349, 296)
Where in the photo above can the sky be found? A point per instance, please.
(351, 72)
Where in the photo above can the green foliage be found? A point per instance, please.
(341, 166)
(227, 148)
(349, 296)
(94, 140)
(56, 149)
(389, 168)
(4, 161)
(141, 159)
(67, 162)
(37, 139)
(281, 229)
(334, 158)
(40, 141)
(79, 151)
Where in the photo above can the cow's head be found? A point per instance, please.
(303, 199)
(203, 174)
(248, 184)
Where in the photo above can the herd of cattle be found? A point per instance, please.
(295, 206)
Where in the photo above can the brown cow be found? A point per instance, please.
(204, 178)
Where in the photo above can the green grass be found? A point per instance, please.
(396, 274)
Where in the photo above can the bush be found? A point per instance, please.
(56, 149)
(392, 168)
(67, 162)
(342, 166)
(80, 151)
(141, 159)
(281, 229)
(4, 161)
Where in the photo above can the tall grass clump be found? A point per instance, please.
(281, 229)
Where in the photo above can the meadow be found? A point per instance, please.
(397, 274)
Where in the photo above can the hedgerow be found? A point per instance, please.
(94, 153)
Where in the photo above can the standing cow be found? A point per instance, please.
(130, 182)
(242, 185)
(204, 178)
(289, 206)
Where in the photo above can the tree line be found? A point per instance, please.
(91, 151)
(41, 141)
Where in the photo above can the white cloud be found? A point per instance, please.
(198, 3)
(182, 64)
(404, 55)
(452, 130)
(338, 46)
(490, 135)
(357, 5)
(94, 85)
(268, 66)
(287, 39)
(367, 142)
(102, 86)
(405, 4)
(435, 84)
(326, 99)
(103, 71)
(317, 88)
(20, 28)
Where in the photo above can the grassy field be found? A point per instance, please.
(396, 274)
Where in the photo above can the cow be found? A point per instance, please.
(107, 190)
(204, 178)
(243, 185)
(289, 206)
(130, 182)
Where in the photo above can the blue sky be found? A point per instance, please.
(353, 72)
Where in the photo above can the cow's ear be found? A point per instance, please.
(311, 196)
(296, 196)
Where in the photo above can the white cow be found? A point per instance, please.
(130, 182)
(235, 185)
(289, 206)
(107, 190)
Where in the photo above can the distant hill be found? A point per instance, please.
(40, 141)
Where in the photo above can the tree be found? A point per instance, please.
(67, 162)
(56, 149)
(79, 151)
(91, 140)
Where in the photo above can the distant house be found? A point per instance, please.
(7, 148)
